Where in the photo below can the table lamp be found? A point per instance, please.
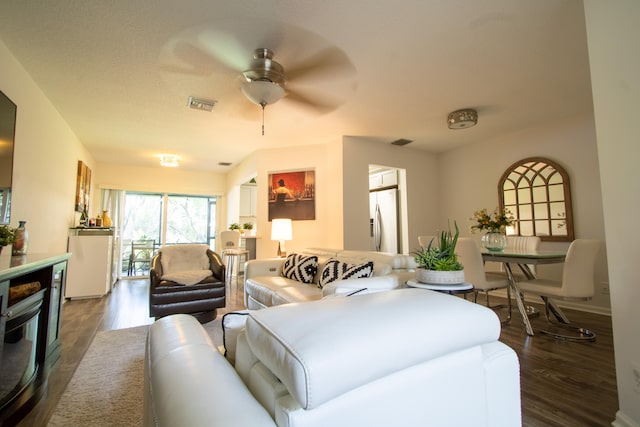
(281, 230)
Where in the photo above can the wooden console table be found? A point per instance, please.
(49, 272)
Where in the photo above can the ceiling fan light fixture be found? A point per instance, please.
(262, 92)
(462, 119)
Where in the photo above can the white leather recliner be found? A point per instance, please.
(409, 357)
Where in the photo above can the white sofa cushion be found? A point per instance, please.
(276, 290)
(307, 359)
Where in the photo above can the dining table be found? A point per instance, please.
(523, 258)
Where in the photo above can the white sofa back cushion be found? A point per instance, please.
(306, 355)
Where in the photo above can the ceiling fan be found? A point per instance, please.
(265, 79)
(317, 77)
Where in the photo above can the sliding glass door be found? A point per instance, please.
(190, 220)
(166, 219)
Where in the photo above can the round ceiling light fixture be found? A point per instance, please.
(462, 119)
(169, 160)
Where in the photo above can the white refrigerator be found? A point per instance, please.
(383, 220)
(89, 268)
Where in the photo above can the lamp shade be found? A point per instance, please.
(262, 92)
(281, 229)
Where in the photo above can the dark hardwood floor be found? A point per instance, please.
(563, 383)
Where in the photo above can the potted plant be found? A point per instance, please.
(7, 235)
(235, 226)
(438, 263)
(247, 226)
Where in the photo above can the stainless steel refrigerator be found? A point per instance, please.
(383, 220)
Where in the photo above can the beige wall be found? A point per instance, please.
(473, 173)
(322, 232)
(613, 34)
(421, 189)
(45, 161)
(159, 180)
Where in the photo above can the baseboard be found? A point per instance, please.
(564, 304)
(623, 420)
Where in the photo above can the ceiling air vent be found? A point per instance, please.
(401, 142)
(200, 104)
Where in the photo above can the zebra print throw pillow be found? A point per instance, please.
(337, 270)
(300, 268)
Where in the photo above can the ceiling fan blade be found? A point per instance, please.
(328, 62)
(317, 103)
(187, 58)
(225, 48)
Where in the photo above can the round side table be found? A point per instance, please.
(461, 288)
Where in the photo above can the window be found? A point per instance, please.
(190, 219)
(186, 219)
(536, 190)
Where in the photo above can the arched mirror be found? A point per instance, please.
(537, 192)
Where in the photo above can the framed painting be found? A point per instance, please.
(83, 187)
(292, 195)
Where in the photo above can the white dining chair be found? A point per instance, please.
(471, 259)
(577, 284)
(524, 244)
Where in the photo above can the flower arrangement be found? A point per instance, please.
(7, 235)
(497, 222)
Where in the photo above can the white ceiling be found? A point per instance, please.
(120, 72)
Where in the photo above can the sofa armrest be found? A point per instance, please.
(188, 382)
(216, 266)
(263, 267)
(364, 285)
(155, 272)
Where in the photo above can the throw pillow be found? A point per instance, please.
(300, 268)
(338, 270)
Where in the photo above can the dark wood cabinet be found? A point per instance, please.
(31, 297)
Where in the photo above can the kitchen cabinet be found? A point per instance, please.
(248, 200)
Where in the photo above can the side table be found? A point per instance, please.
(461, 288)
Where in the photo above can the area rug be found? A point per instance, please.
(107, 387)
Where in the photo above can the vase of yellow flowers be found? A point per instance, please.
(495, 225)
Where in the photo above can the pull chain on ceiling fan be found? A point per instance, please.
(264, 80)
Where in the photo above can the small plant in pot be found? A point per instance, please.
(248, 227)
(235, 226)
(438, 263)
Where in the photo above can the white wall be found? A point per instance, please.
(422, 182)
(45, 161)
(613, 34)
(159, 180)
(325, 230)
(473, 173)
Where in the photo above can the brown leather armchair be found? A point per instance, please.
(199, 299)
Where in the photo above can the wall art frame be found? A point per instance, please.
(292, 195)
(83, 187)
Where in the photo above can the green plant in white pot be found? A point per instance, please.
(438, 263)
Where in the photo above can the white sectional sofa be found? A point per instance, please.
(265, 286)
(409, 357)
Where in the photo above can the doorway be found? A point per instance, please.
(387, 209)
